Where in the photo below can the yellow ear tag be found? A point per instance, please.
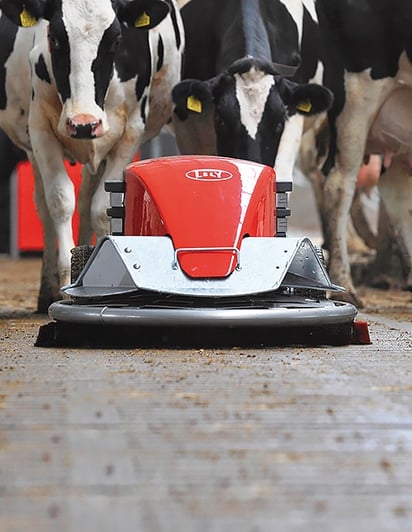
(142, 21)
(26, 19)
(305, 107)
(193, 104)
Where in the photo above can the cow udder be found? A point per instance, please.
(391, 131)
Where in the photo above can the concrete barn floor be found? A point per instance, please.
(289, 439)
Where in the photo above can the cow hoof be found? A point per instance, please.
(349, 297)
(44, 300)
(43, 303)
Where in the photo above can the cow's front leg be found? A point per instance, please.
(338, 195)
(88, 187)
(113, 171)
(49, 281)
(59, 199)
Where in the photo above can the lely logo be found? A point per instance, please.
(208, 174)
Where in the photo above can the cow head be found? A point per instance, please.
(245, 108)
(83, 37)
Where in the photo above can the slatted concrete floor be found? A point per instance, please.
(275, 439)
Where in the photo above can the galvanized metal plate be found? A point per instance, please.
(122, 264)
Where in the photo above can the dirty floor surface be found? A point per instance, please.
(226, 440)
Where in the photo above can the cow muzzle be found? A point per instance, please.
(84, 127)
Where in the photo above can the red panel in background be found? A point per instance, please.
(29, 228)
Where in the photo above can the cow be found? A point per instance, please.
(367, 57)
(88, 81)
(236, 98)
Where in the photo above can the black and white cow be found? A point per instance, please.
(367, 47)
(86, 80)
(235, 99)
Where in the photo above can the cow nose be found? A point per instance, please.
(84, 127)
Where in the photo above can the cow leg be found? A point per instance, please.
(309, 162)
(339, 191)
(59, 196)
(88, 187)
(49, 281)
(386, 270)
(289, 148)
(338, 194)
(112, 170)
(60, 199)
(311, 156)
(395, 187)
(352, 132)
(361, 223)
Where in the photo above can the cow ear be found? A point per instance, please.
(192, 96)
(143, 14)
(24, 13)
(310, 99)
